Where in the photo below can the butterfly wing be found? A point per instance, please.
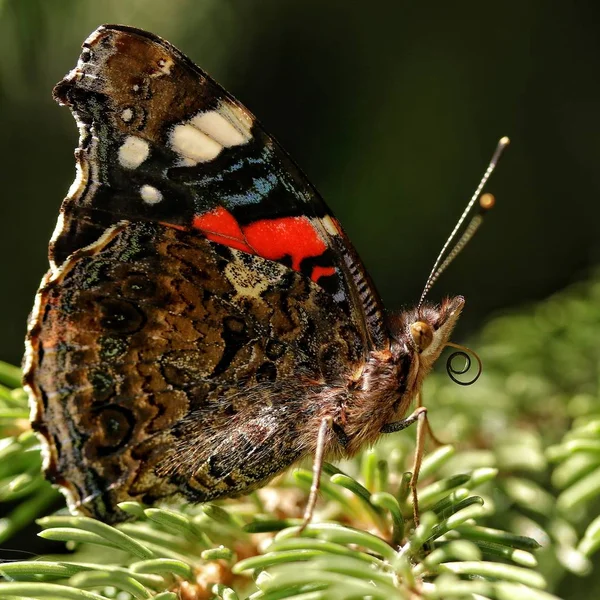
(161, 141)
(163, 363)
(202, 304)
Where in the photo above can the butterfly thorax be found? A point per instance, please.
(392, 379)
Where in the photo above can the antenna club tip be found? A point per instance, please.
(487, 201)
(504, 141)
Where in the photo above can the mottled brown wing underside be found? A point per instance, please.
(164, 364)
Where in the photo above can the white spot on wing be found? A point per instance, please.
(329, 225)
(150, 195)
(133, 152)
(220, 129)
(127, 115)
(204, 136)
(235, 114)
(164, 67)
(192, 144)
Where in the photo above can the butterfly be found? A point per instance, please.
(205, 322)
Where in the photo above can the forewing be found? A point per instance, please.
(162, 142)
(163, 363)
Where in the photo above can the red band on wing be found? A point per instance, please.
(220, 226)
(321, 272)
(293, 236)
(272, 239)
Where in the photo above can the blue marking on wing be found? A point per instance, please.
(264, 160)
(261, 187)
(255, 183)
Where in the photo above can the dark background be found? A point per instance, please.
(392, 108)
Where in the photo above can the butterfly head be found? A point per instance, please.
(425, 331)
(430, 326)
(421, 334)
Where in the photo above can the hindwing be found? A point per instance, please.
(164, 363)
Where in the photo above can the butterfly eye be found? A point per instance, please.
(422, 335)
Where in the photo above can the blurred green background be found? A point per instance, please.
(391, 107)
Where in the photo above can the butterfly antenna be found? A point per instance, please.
(486, 202)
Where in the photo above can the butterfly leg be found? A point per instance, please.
(434, 438)
(324, 429)
(419, 416)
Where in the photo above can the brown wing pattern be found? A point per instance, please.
(162, 363)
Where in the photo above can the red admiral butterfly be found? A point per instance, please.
(205, 321)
